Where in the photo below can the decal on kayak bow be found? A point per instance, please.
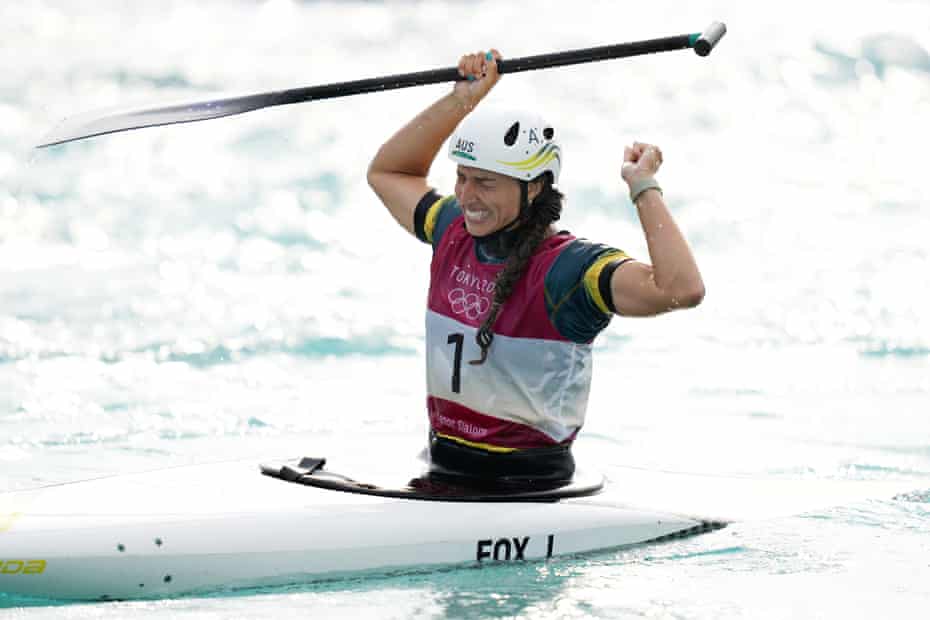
(7, 520)
(22, 567)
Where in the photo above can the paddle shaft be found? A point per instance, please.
(702, 44)
(100, 123)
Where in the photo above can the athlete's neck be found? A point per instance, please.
(497, 246)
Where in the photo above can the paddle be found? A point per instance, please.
(112, 121)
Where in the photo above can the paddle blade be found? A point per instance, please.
(123, 119)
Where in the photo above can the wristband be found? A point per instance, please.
(641, 185)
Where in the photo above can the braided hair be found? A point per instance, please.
(534, 222)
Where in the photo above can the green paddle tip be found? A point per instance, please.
(704, 42)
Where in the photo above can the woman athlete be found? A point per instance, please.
(514, 304)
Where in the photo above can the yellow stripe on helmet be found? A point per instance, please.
(546, 153)
(538, 164)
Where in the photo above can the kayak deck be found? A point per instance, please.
(211, 527)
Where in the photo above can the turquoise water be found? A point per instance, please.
(232, 288)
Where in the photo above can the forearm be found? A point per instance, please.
(674, 269)
(398, 171)
(397, 174)
(413, 148)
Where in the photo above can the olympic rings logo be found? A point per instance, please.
(471, 305)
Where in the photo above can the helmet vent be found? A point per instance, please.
(548, 133)
(510, 137)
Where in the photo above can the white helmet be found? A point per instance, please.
(512, 143)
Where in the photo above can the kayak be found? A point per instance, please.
(222, 526)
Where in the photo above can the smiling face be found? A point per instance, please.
(489, 201)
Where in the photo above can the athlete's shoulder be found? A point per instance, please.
(578, 296)
(576, 258)
(433, 215)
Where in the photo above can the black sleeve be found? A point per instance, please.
(433, 215)
(578, 294)
(429, 199)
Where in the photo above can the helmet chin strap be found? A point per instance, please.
(524, 213)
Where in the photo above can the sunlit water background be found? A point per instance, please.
(233, 288)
